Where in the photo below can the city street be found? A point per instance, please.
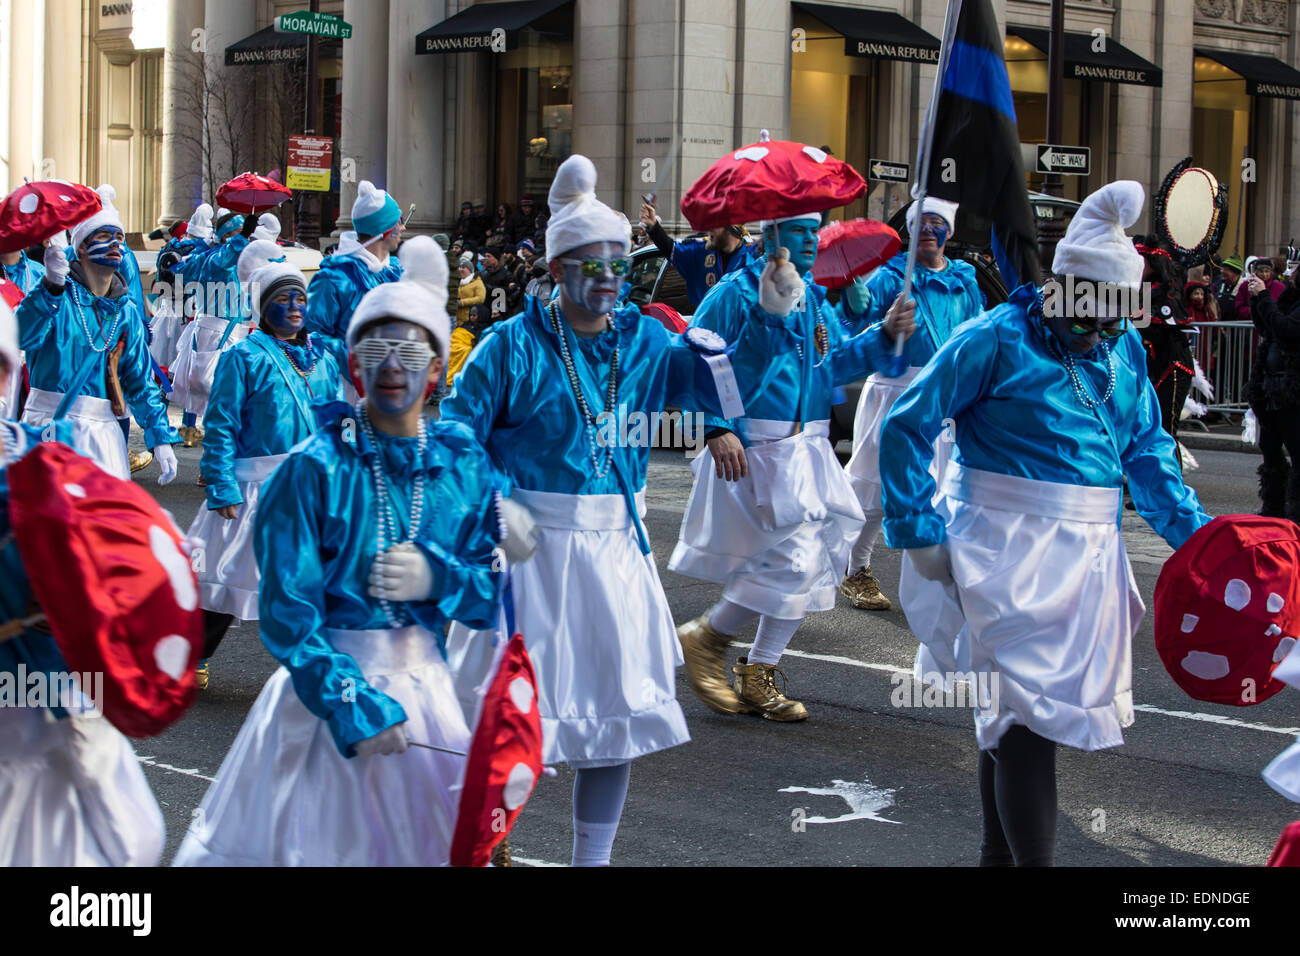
(862, 782)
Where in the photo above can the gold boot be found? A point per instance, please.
(705, 651)
(758, 694)
(501, 853)
(140, 460)
(192, 435)
(863, 590)
(201, 675)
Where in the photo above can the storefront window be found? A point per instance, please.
(1220, 136)
(1027, 70)
(534, 115)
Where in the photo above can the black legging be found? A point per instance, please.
(215, 625)
(1018, 792)
(1172, 392)
(1280, 483)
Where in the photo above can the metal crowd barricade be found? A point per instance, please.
(1226, 351)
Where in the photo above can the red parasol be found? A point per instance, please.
(250, 194)
(846, 250)
(1227, 607)
(10, 292)
(770, 179)
(665, 315)
(505, 759)
(111, 574)
(34, 212)
(1287, 850)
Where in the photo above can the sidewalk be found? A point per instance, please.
(1221, 436)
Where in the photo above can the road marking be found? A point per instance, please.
(1145, 708)
(529, 861)
(192, 772)
(864, 799)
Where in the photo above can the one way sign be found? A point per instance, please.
(1066, 160)
(889, 172)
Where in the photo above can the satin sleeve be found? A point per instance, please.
(864, 354)
(138, 386)
(954, 380)
(1150, 459)
(481, 387)
(35, 316)
(221, 424)
(287, 540)
(323, 305)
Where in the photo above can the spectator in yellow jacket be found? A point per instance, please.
(464, 338)
(472, 291)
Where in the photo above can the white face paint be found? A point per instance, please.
(390, 387)
(597, 293)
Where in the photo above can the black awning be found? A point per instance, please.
(876, 33)
(474, 27)
(1264, 75)
(267, 46)
(1114, 64)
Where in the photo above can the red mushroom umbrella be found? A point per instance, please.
(770, 179)
(665, 315)
(505, 759)
(10, 292)
(846, 250)
(111, 574)
(35, 211)
(250, 194)
(1287, 851)
(1227, 608)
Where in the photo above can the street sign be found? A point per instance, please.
(886, 171)
(316, 24)
(310, 158)
(1065, 160)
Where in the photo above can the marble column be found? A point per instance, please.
(417, 154)
(363, 143)
(26, 48)
(182, 145)
(225, 22)
(61, 146)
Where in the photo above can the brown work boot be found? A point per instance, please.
(863, 590)
(757, 691)
(501, 853)
(705, 651)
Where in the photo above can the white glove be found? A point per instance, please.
(780, 288)
(520, 542)
(933, 563)
(56, 266)
(166, 459)
(402, 573)
(857, 296)
(390, 740)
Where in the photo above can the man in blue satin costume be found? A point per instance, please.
(370, 537)
(25, 273)
(72, 792)
(947, 294)
(1018, 577)
(565, 396)
(772, 515)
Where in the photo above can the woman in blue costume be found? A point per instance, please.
(946, 294)
(370, 537)
(536, 392)
(261, 406)
(72, 792)
(771, 515)
(85, 336)
(1018, 578)
(25, 273)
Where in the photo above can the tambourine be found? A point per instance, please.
(1189, 213)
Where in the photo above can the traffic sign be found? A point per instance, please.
(1066, 160)
(889, 172)
(310, 158)
(316, 24)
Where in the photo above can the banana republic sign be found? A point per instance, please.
(890, 51)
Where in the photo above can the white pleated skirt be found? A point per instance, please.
(593, 614)
(1283, 774)
(72, 794)
(95, 428)
(779, 538)
(223, 558)
(165, 332)
(196, 360)
(1044, 607)
(285, 796)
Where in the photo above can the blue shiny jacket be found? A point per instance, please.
(1001, 384)
(25, 273)
(314, 536)
(794, 379)
(261, 406)
(52, 330)
(214, 267)
(337, 288)
(944, 300)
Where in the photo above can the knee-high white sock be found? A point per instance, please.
(866, 543)
(598, 797)
(727, 618)
(774, 635)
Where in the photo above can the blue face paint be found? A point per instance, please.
(934, 228)
(286, 318)
(389, 387)
(797, 235)
(104, 248)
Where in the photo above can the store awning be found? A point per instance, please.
(267, 46)
(476, 27)
(876, 33)
(1115, 63)
(1264, 75)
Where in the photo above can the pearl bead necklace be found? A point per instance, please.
(600, 463)
(1076, 380)
(109, 337)
(387, 523)
(295, 366)
(818, 330)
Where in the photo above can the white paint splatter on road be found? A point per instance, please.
(864, 799)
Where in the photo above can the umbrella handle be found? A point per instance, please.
(546, 771)
(15, 626)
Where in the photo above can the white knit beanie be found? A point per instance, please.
(419, 297)
(577, 216)
(268, 227)
(200, 224)
(256, 254)
(267, 277)
(107, 216)
(942, 208)
(1095, 246)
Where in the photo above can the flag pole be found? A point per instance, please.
(923, 151)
